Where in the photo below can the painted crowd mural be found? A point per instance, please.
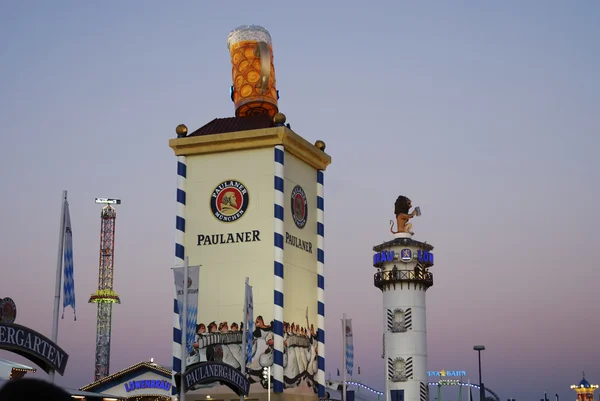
(222, 342)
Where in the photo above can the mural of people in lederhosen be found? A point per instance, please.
(222, 342)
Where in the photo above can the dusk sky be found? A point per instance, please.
(486, 114)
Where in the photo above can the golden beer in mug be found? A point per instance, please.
(253, 71)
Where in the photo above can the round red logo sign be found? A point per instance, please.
(299, 206)
(8, 310)
(229, 201)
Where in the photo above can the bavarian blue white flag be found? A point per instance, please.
(69, 282)
(192, 302)
(349, 347)
(249, 323)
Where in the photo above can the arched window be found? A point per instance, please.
(399, 325)
(399, 370)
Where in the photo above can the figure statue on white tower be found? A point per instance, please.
(401, 208)
(403, 276)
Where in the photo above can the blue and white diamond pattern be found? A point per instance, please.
(192, 316)
(69, 282)
(349, 358)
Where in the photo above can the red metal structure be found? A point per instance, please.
(105, 296)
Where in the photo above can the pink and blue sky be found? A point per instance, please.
(486, 114)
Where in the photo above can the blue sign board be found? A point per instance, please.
(425, 257)
(384, 256)
(140, 384)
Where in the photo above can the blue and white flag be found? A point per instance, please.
(349, 347)
(69, 282)
(249, 322)
(192, 302)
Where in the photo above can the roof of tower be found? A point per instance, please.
(403, 241)
(234, 124)
(584, 383)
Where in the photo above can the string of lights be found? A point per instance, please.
(441, 383)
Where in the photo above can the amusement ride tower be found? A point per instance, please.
(403, 277)
(105, 297)
(584, 390)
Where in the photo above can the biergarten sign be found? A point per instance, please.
(33, 346)
(210, 372)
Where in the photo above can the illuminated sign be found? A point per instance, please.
(298, 243)
(229, 238)
(444, 373)
(384, 256)
(406, 255)
(424, 256)
(142, 384)
(210, 372)
(33, 346)
(108, 201)
(448, 382)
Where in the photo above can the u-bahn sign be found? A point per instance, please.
(445, 373)
(33, 346)
(210, 372)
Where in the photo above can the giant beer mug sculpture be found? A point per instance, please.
(253, 72)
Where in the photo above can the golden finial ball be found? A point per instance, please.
(181, 130)
(279, 118)
(320, 145)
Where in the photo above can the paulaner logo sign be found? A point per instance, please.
(209, 372)
(229, 201)
(33, 346)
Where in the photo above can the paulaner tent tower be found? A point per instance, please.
(105, 296)
(250, 204)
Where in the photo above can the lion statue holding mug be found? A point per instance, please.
(401, 208)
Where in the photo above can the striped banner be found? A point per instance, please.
(424, 392)
(391, 368)
(408, 319)
(69, 284)
(191, 287)
(409, 368)
(249, 322)
(349, 347)
(277, 370)
(179, 261)
(321, 282)
(390, 319)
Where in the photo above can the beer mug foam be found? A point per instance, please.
(253, 71)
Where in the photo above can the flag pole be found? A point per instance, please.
(469, 387)
(244, 332)
(59, 265)
(184, 327)
(344, 357)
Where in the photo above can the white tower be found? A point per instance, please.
(403, 277)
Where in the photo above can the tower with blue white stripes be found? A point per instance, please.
(250, 203)
(403, 276)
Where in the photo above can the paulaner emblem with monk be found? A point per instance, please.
(229, 201)
(401, 210)
(299, 206)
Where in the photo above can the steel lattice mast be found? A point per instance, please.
(105, 296)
